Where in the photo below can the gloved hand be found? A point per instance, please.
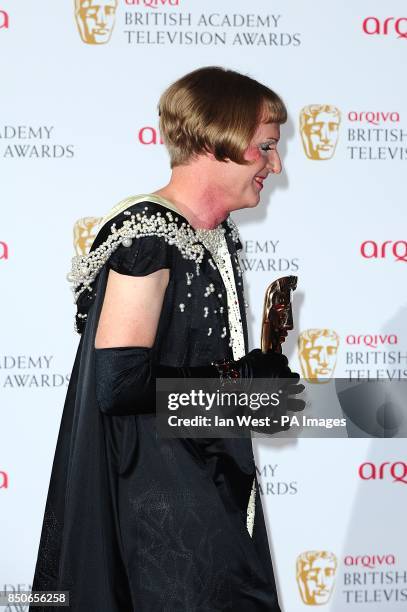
(263, 365)
(256, 364)
(273, 367)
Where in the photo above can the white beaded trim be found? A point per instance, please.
(251, 509)
(234, 232)
(214, 240)
(85, 268)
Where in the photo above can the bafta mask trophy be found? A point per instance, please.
(277, 313)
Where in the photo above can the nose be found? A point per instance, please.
(325, 133)
(100, 17)
(323, 357)
(274, 162)
(320, 580)
(289, 322)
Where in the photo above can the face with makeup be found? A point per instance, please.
(241, 184)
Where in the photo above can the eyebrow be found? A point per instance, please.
(271, 138)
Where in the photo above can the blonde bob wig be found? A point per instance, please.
(214, 110)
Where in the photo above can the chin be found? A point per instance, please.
(250, 204)
(249, 201)
(255, 201)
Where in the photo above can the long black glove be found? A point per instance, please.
(275, 368)
(125, 377)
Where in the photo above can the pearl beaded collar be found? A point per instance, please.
(85, 268)
(167, 225)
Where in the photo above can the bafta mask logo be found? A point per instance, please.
(84, 233)
(319, 125)
(316, 571)
(95, 20)
(317, 351)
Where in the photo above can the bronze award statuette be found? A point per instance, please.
(277, 313)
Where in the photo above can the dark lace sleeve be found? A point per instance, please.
(144, 256)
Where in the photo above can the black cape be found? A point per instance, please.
(135, 522)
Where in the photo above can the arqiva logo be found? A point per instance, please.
(4, 20)
(153, 3)
(3, 250)
(370, 249)
(3, 480)
(374, 117)
(371, 340)
(396, 470)
(370, 561)
(385, 27)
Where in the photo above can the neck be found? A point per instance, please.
(195, 196)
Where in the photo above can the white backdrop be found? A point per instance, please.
(78, 132)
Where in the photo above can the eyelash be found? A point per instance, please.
(268, 146)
